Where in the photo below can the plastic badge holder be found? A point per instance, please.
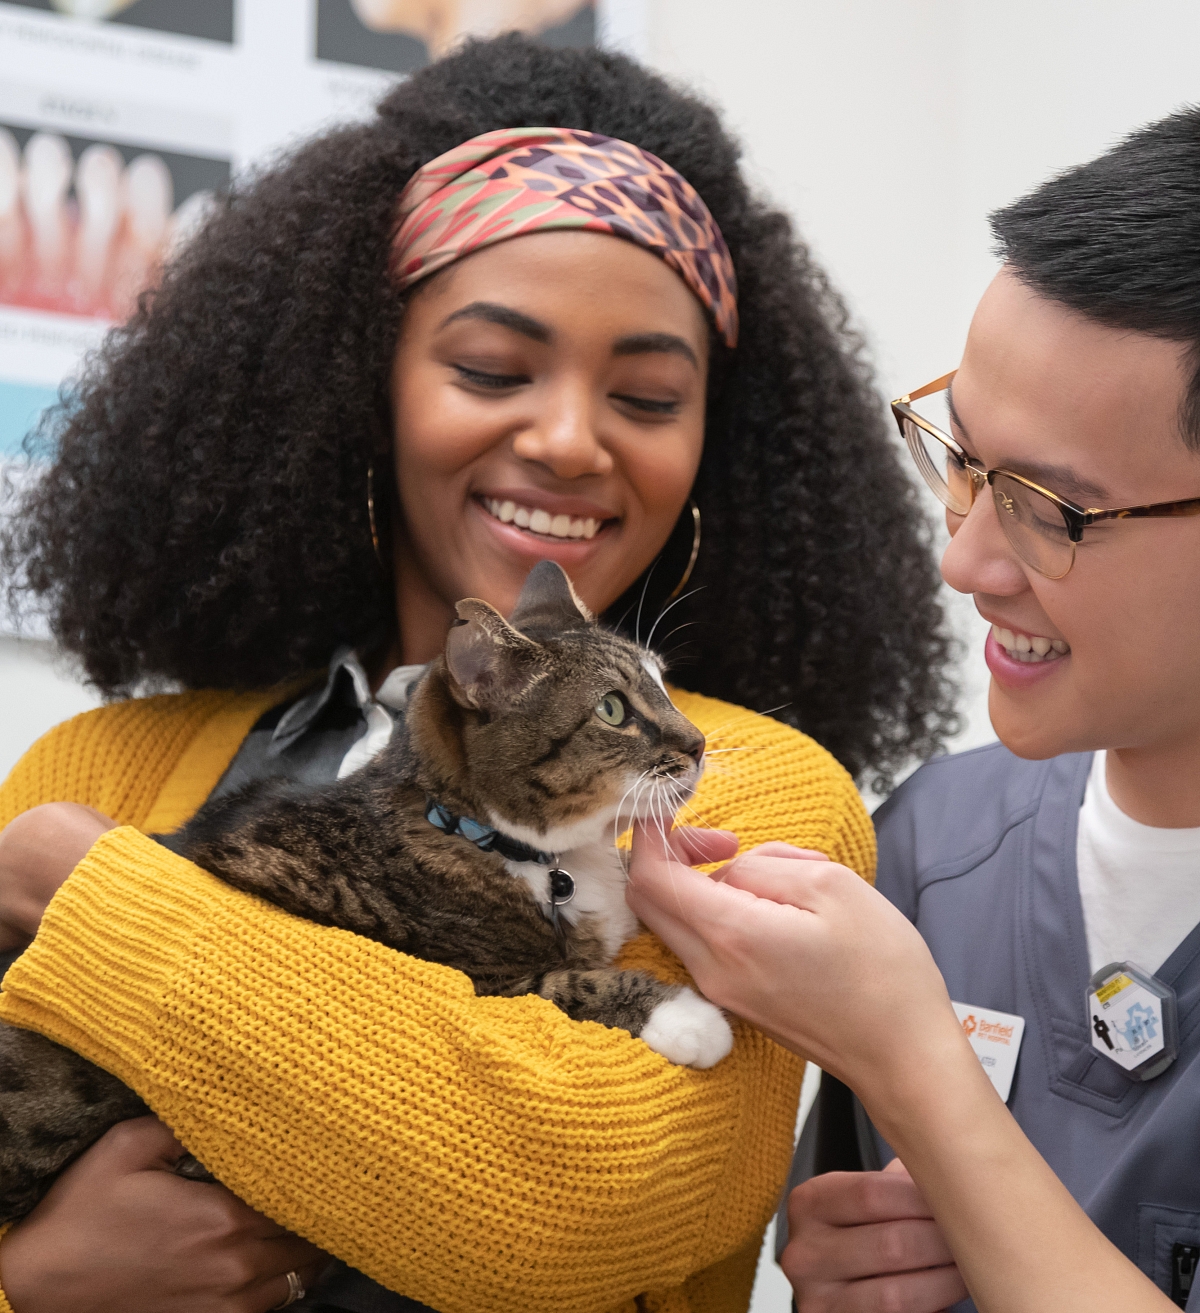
(1134, 1020)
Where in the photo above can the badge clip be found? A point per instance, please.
(1134, 1020)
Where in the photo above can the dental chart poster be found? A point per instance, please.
(121, 119)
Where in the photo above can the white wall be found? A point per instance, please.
(37, 690)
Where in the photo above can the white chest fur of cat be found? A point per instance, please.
(687, 1029)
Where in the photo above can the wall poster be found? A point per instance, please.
(121, 119)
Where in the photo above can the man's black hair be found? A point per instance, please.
(1118, 239)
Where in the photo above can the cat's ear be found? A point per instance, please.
(489, 663)
(548, 601)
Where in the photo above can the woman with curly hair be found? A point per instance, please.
(355, 398)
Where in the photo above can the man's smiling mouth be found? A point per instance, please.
(1029, 648)
(541, 522)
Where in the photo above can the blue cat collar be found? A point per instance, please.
(486, 837)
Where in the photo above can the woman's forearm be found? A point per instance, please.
(1020, 1240)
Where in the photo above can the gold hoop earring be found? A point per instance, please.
(691, 565)
(371, 515)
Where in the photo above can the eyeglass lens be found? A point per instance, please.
(941, 468)
(1033, 523)
(1035, 527)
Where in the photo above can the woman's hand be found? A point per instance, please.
(120, 1233)
(38, 850)
(804, 949)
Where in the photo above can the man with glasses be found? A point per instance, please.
(1046, 870)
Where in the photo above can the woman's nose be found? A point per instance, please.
(563, 437)
(979, 557)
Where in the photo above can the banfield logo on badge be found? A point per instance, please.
(996, 1039)
(996, 1031)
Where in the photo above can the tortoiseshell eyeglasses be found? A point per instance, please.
(1042, 527)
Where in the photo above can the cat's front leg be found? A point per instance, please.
(672, 1019)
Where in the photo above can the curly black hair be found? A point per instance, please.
(204, 518)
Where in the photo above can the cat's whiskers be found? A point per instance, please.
(654, 781)
(618, 827)
(687, 624)
(638, 787)
(637, 624)
(665, 830)
(664, 821)
(667, 611)
(682, 798)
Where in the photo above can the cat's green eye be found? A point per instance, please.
(612, 709)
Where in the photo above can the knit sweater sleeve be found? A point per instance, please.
(473, 1153)
(147, 762)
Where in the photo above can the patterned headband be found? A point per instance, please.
(525, 180)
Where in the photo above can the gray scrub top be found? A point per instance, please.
(978, 851)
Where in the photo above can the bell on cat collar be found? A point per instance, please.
(562, 887)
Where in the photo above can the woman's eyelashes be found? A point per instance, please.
(491, 382)
(646, 405)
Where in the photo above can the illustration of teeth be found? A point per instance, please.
(98, 187)
(47, 176)
(91, 8)
(149, 199)
(148, 195)
(1030, 649)
(10, 174)
(12, 233)
(539, 521)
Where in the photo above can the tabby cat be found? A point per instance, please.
(481, 837)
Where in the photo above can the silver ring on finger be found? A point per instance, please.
(296, 1291)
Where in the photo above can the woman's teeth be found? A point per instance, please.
(1022, 647)
(553, 526)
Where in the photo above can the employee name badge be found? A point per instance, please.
(1133, 1019)
(996, 1039)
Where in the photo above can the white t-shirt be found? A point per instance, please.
(1140, 885)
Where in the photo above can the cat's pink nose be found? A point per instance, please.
(696, 750)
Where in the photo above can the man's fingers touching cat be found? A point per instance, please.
(696, 846)
(794, 877)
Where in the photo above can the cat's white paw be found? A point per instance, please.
(689, 1030)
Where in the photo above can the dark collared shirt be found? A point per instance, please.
(322, 736)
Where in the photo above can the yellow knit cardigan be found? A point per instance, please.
(481, 1155)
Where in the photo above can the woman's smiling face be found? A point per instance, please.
(548, 401)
